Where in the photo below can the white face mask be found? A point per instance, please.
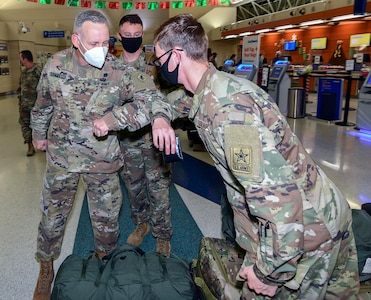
(95, 56)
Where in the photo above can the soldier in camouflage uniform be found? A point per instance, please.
(27, 95)
(291, 219)
(145, 174)
(78, 85)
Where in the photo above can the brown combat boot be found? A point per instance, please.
(44, 282)
(31, 150)
(136, 237)
(163, 247)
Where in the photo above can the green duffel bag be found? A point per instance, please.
(127, 273)
(216, 268)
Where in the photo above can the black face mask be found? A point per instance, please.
(172, 77)
(131, 45)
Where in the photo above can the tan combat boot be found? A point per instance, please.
(44, 282)
(136, 237)
(163, 247)
(31, 150)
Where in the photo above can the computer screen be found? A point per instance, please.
(289, 45)
(367, 82)
(318, 44)
(358, 40)
(285, 61)
(244, 67)
(228, 62)
(276, 72)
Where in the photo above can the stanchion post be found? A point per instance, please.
(347, 104)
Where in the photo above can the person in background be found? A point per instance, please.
(293, 222)
(27, 95)
(77, 86)
(147, 177)
(233, 57)
(262, 61)
(277, 56)
(212, 59)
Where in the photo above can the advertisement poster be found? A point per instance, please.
(251, 50)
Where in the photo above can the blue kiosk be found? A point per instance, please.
(247, 71)
(228, 64)
(364, 105)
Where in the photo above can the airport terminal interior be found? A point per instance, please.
(327, 107)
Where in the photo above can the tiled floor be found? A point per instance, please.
(342, 152)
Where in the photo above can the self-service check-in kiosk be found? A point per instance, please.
(364, 105)
(247, 71)
(228, 64)
(279, 84)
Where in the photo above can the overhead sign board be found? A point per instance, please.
(251, 50)
(3, 47)
(358, 40)
(54, 34)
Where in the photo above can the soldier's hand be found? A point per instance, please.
(100, 128)
(40, 145)
(255, 284)
(163, 136)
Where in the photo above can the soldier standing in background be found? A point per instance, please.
(293, 222)
(146, 175)
(27, 95)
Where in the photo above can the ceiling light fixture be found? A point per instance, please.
(231, 36)
(346, 17)
(245, 33)
(262, 30)
(284, 27)
(313, 22)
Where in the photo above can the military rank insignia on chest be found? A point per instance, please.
(141, 77)
(241, 159)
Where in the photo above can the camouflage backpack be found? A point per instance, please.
(216, 268)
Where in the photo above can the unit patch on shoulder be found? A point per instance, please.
(243, 151)
(241, 159)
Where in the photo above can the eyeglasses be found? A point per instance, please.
(157, 62)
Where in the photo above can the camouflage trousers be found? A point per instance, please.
(24, 120)
(328, 272)
(147, 180)
(331, 276)
(104, 201)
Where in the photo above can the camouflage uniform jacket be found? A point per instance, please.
(275, 188)
(140, 64)
(28, 81)
(71, 97)
(136, 115)
(131, 138)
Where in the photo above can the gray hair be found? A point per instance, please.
(92, 16)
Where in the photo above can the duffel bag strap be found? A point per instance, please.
(116, 255)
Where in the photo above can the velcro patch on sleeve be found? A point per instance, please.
(243, 151)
